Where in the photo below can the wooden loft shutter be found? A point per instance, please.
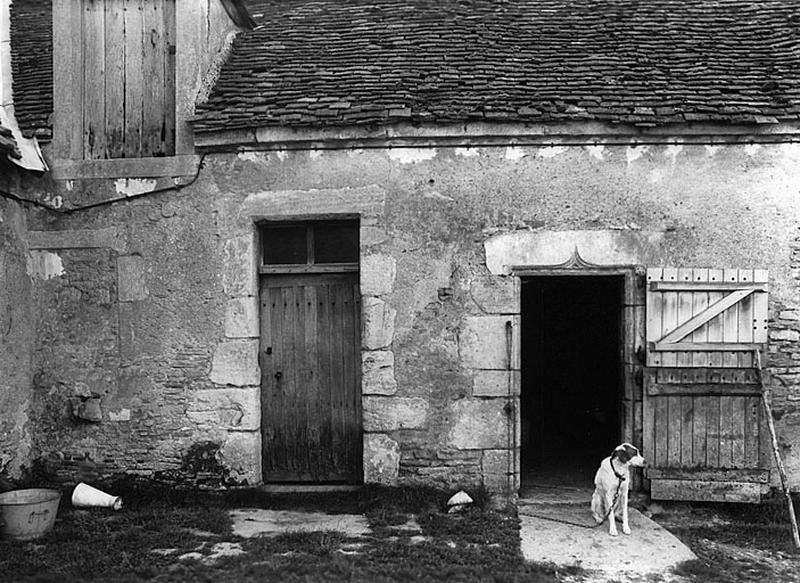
(115, 78)
(703, 433)
(705, 318)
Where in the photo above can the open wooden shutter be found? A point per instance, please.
(703, 421)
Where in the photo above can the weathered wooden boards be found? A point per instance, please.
(702, 420)
(310, 363)
(121, 80)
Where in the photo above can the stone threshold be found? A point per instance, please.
(306, 488)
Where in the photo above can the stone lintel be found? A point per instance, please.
(290, 204)
(107, 238)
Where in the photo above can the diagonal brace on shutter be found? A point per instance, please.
(670, 341)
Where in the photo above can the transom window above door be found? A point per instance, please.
(309, 247)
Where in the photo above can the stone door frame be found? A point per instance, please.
(632, 339)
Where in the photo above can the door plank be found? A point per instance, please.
(134, 78)
(279, 413)
(337, 379)
(312, 400)
(687, 435)
(760, 308)
(745, 321)
(712, 432)
(324, 347)
(94, 126)
(726, 431)
(699, 431)
(654, 329)
(751, 432)
(699, 303)
(685, 307)
(669, 315)
(737, 431)
(266, 357)
(170, 38)
(675, 412)
(714, 330)
(730, 320)
(662, 431)
(350, 356)
(115, 77)
(153, 51)
(648, 423)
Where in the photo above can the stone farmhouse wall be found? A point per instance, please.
(146, 319)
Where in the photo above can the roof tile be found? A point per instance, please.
(389, 61)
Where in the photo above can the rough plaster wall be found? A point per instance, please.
(722, 206)
(16, 340)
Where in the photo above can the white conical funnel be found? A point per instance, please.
(84, 496)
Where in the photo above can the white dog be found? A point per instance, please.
(611, 483)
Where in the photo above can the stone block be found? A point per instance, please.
(239, 267)
(381, 459)
(378, 324)
(377, 274)
(497, 295)
(228, 408)
(377, 373)
(236, 363)
(366, 201)
(501, 483)
(241, 454)
(788, 335)
(789, 315)
(370, 236)
(478, 424)
(483, 342)
(241, 318)
(496, 461)
(131, 278)
(495, 383)
(108, 238)
(392, 413)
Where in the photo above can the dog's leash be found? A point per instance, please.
(610, 510)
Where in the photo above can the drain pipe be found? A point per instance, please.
(510, 409)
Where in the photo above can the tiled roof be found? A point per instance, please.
(32, 66)
(8, 145)
(648, 62)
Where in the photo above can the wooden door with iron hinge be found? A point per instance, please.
(704, 428)
(310, 377)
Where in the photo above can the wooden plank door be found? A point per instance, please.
(703, 424)
(310, 378)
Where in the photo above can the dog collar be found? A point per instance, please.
(619, 476)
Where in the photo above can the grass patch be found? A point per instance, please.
(101, 545)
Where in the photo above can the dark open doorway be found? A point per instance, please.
(571, 375)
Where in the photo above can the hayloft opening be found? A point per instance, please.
(571, 376)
